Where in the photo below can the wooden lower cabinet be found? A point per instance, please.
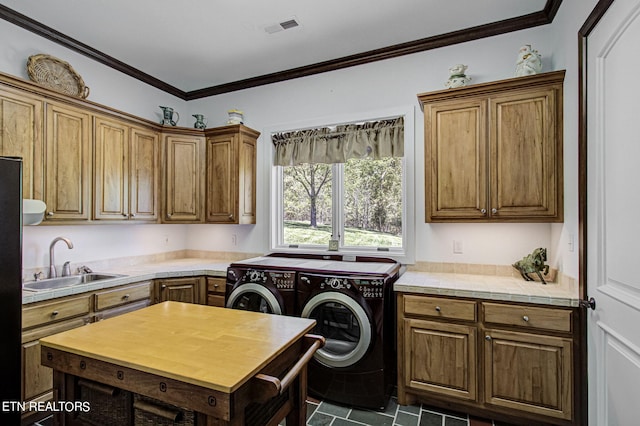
(503, 361)
(216, 290)
(41, 320)
(443, 358)
(188, 290)
(529, 372)
(54, 316)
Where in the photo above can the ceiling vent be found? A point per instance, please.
(284, 25)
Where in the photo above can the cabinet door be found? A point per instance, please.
(21, 136)
(184, 179)
(144, 175)
(440, 358)
(529, 372)
(222, 179)
(68, 163)
(37, 381)
(188, 290)
(247, 180)
(111, 170)
(455, 160)
(526, 148)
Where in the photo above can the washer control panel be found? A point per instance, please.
(369, 287)
(283, 279)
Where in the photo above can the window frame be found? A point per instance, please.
(404, 254)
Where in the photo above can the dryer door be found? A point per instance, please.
(254, 297)
(344, 324)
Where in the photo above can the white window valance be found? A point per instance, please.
(372, 139)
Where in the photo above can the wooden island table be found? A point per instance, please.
(182, 364)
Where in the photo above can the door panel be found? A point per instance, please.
(613, 202)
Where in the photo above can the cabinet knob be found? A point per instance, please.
(168, 214)
(525, 318)
(125, 297)
(49, 213)
(487, 338)
(483, 211)
(163, 286)
(54, 313)
(216, 285)
(494, 211)
(132, 215)
(438, 309)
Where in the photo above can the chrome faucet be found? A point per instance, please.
(52, 266)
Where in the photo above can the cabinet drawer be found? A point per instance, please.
(122, 309)
(121, 295)
(215, 300)
(51, 311)
(438, 307)
(216, 285)
(528, 316)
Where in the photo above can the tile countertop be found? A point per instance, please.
(175, 268)
(488, 287)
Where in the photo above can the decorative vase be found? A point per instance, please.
(457, 77)
(199, 124)
(235, 117)
(529, 61)
(167, 116)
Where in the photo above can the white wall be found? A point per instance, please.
(352, 92)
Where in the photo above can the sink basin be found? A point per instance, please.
(61, 282)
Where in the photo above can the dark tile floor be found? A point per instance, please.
(322, 413)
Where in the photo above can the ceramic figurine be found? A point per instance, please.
(167, 116)
(457, 77)
(533, 263)
(199, 124)
(529, 61)
(235, 117)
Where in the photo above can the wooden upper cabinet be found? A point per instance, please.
(231, 175)
(68, 163)
(111, 170)
(144, 175)
(126, 172)
(493, 152)
(21, 128)
(184, 171)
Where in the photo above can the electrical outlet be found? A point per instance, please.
(457, 246)
(572, 243)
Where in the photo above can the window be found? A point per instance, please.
(360, 200)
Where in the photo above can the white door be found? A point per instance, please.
(613, 216)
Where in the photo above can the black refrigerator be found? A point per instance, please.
(10, 286)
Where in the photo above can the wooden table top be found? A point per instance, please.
(216, 348)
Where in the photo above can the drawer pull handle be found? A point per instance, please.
(487, 338)
(54, 313)
(525, 318)
(438, 309)
(125, 297)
